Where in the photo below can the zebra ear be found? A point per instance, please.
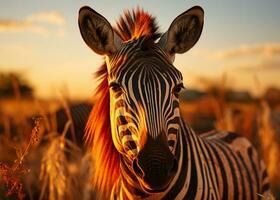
(97, 32)
(183, 32)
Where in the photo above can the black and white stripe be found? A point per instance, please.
(216, 165)
(160, 156)
(145, 82)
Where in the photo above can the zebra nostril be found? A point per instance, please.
(137, 169)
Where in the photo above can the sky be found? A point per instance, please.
(41, 40)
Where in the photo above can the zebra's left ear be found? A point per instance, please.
(97, 32)
(183, 32)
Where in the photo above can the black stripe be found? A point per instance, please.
(230, 137)
(251, 195)
(173, 121)
(223, 172)
(208, 193)
(241, 176)
(212, 162)
(264, 174)
(124, 133)
(201, 145)
(178, 146)
(121, 120)
(265, 187)
(238, 164)
(250, 153)
(172, 130)
(192, 190)
(232, 170)
(171, 143)
(176, 104)
(177, 187)
(130, 145)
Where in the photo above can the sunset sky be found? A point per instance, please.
(41, 40)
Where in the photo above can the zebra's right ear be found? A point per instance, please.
(97, 32)
(183, 32)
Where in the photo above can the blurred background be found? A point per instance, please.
(46, 71)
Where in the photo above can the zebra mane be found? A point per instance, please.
(132, 25)
(98, 138)
(136, 24)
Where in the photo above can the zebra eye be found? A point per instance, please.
(178, 89)
(115, 87)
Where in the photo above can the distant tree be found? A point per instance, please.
(191, 94)
(225, 92)
(14, 85)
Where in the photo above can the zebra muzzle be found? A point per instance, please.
(155, 172)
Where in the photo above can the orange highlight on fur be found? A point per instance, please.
(98, 130)
(98, 137)
(142, 138)
(136, 24)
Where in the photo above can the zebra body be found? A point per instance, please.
(216, 165)
(143, 148)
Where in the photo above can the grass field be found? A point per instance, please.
(39, 162)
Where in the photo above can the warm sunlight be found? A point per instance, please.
(139, 99)
(42, 41)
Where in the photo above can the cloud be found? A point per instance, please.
(264, 65)
(264, 50)
(263, 57)
(21, 26)
(51, 17)
(60, 32)
(35, 23)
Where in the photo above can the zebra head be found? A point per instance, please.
(144, 87)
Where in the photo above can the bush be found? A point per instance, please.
(14, 85)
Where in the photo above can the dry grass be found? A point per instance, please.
(61, 166)
(64, 169)
(256, 121)
(10, 176)
(54, 169)
(267, 197)
(270, 145)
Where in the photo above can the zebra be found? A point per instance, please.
(141, 146)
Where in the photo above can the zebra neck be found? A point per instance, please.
(180, 185)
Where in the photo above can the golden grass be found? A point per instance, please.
(66, 171)
(54, 159)
(10, 176)
(269, 145)
(53, 169)
(267, 197)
